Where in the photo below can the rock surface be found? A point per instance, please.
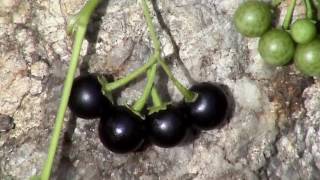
(273, 133)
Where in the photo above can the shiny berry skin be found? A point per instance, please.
(303, 31)
(253, 18)
(307, 58)
(121, 132)
(210, 108)
(276, 47)
(166, 128)
(86, 98)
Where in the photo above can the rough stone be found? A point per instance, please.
(273, 132)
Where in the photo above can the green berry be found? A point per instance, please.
(307, 58)
(253, 18)
(303, 31)
(276, 47)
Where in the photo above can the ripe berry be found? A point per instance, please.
(209, 109)
(86, 98)
(121, 132)
(166, 128)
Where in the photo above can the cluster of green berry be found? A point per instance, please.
(124, 128)
(278, 46)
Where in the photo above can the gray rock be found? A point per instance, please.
(273, 133)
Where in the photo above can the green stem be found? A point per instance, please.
(153, 59)
(63, 103)
(81, 27)
(152, 31)
(83, 17)
(140, 103)
(288, 17)
(309, 9)
(125, 80)
(188, 95)
(156, 100)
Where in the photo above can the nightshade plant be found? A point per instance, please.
(124, 128)
(278, 46)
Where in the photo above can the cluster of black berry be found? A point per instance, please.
(124, 129)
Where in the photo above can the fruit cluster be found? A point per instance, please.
(124, 128)
(278, 46)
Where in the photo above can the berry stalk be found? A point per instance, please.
(309, 9)
(108, 87)
(188, 95)
(156, 99)
(156, 57)
(140, 103)
(288, 17)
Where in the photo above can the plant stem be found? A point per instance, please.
(63, 103)
(151, 28)
(125, 80)
(87, 11)
(188, 95)
(81, 26)
(288, 17)
(140, 103)
(153, 59)
(309, 10)
(156, 100)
